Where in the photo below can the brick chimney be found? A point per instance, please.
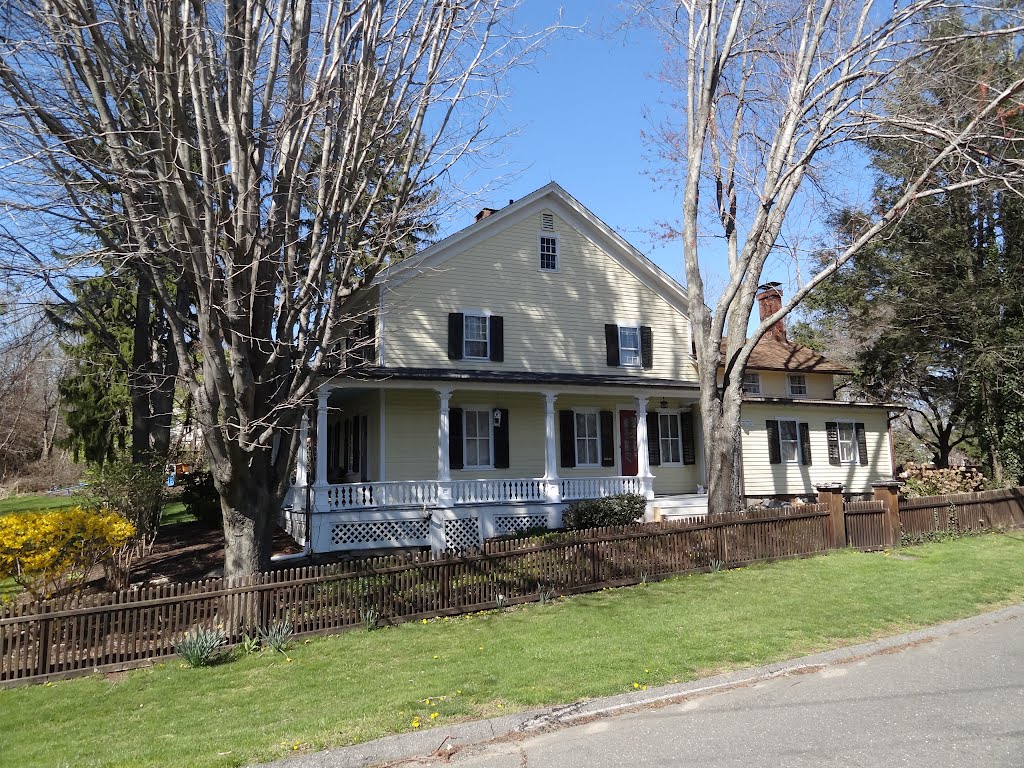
(769, 301)
(485, 213)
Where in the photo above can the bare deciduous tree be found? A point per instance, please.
(771, 94)
(265, 157)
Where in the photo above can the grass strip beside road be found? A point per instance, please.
(361, 685)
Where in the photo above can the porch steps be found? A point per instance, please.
(678, 507)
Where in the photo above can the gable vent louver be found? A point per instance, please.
(547, 222)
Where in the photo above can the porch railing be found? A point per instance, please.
(475, 491)
(596, 487)
(418, 493)
(374, 495)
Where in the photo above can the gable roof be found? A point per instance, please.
(773, 354)
(550, 196)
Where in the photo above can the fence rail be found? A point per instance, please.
(71, 635)
(76, 634)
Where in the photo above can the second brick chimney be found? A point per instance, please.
(485, 213)
(769, 301)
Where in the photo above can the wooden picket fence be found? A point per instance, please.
(1002, 508)
(78, 634)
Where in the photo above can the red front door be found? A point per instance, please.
(627, 443)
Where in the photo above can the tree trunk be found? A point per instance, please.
(720, 412)
(139, 382)
(250, 509)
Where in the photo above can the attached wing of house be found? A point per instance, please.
(529, 360)
(796, 434)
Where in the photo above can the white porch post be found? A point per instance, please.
(302, 460)
(552, 489)
(321, 436)
(444, 474)
(642, 453)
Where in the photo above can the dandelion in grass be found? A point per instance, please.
(415, 722)
(636, 686)
(434, 715)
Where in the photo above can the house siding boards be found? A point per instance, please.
(775, 384)
(553, 321)
(763, 479)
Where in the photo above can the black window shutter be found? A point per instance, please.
(363, 453)
(607, 439)
(774, 449)
(346, 439)
(497, 337)
(501, 455)
(455, 432)
(862, 443)
(567, 438)
(356, 444)
(646, 346)
(653, 440)
(349, 357)
(686, 435)
(611, 341)
(832, 432)
(455, 331)
(805, 443)
(369, 355)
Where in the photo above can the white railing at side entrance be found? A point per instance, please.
(597, 487)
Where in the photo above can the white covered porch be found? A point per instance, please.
(459, 506)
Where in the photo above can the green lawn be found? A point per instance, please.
(361, 685)
(36, 502)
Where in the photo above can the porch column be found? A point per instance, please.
(643, 457)
(321, 436)
(444, 473)
(552, 491)
(302, 459)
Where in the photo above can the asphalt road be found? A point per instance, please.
(953, 702)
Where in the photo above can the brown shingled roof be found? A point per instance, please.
(771, 354)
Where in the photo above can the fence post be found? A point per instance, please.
(888, 492)
(832, 495)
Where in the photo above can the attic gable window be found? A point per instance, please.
(797, 385)
(475, 337)
(629, 345)
(548, 246)
(752, 383)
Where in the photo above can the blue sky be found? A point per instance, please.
(579, 113)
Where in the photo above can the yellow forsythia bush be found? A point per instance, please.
(50, 552)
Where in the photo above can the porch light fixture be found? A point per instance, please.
(497, 417)
(664, 405)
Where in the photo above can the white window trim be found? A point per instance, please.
(558, 251)
(484, 313)
(575, 438)
(743, 384)
(679, 419)
(465, 436)
(799, 444)
(855, 461)
(789, 385)
(639, 343)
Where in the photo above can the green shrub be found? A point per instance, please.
(623, 509)
(277, 637)
(201, 499)
(200, 647)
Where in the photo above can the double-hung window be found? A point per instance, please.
(475, 340)
(629, 345)
(670, 438)
(797, 385)
(847, 443)
(479, 438)
(752, 383)
(588, 439)
(548, 245)
(789, 442)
